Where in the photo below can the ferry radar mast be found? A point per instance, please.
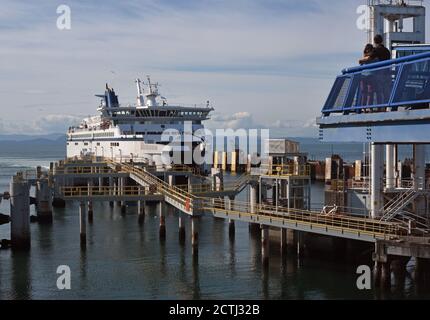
(151, 97)
(140, 99)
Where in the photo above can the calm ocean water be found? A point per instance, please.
(126, 261)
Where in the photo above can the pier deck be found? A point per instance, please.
(203, 200)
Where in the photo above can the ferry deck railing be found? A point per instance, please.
(382, 86)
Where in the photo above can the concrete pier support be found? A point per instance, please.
(141, 211)
(382, 266)
(57, 201)
(390, 166)
(121, 192)
(43, 201)
(283, 240)
(386, 273)
(291, 238)
(377, 169)
(422, 271)
(90, 211)
(82, 224)
(253, 197)
(195, 235)
(20, 213)
(377, 273)
(111, 203)
(117, 188)
(123, 208)
(229, 207)
(162, 216)
(253, 200)
(181, 230)
(300, 243)
(398, 267)
(231, 228)
(254, 228)
(265, 245)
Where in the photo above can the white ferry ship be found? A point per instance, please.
(134, 132)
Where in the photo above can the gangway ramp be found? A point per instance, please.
(180, 199)
(342, 225)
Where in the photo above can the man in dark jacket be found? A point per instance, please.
(383, 77)
(380, 52)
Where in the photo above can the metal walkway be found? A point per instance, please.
(197, 202)
(341, 225)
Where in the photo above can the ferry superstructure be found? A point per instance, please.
(135, 132)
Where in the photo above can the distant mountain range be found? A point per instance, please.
(23, 137)
(48, 145)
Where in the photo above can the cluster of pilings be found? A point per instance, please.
(391, 259)
(291, 241)
(20, 201)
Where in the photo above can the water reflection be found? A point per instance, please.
(232, 254)
(21, 276)
(45, 234)
(196, 278)
(226, 268)
(83, 269)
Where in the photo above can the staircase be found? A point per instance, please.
(180, 199)
(395, 206)
(242, 182)
(418, 223)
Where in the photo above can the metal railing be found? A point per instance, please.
(83, 170)
(232, 186)
(339, 223)
(94, 191)
(183, 197)
(285, 170)
(401, 82)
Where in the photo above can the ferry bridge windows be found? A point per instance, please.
(414, 84)
(76, 143)
(114, 144)
(98, 143)
(371, 88)
(338, 93)
(405, 85)
(103, 134)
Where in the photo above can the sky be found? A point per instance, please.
(260, 63)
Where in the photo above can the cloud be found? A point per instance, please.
(51, 123)
(272, 59)
(55, 123)
(279, 128)
(239, 120)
